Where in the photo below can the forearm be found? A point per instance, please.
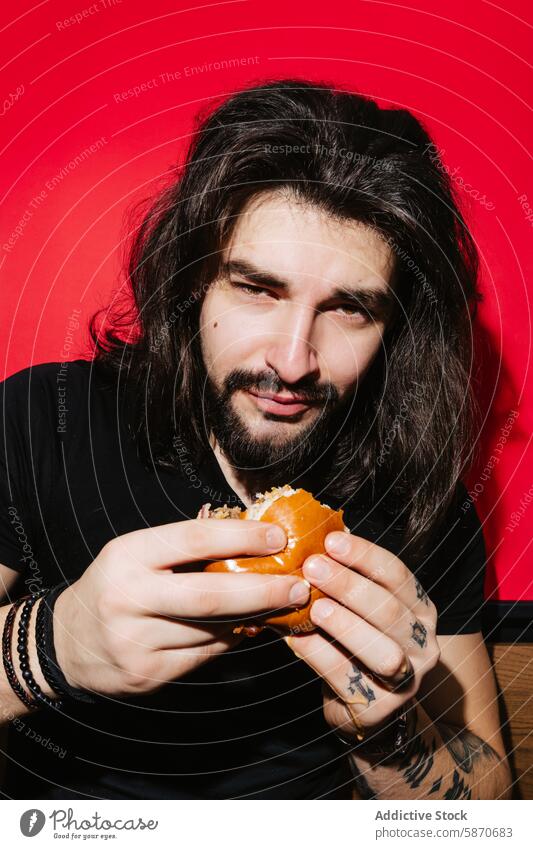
(441, 762)
(10, 704)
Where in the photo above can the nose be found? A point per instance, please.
(291, 352)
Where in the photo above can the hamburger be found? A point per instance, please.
(306, 522)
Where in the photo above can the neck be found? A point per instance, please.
(237, 484)
(247, 483)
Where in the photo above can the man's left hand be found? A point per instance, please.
(376, 633)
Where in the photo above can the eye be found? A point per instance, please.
(353, 311)
(250, 290)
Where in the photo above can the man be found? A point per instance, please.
(300, 315)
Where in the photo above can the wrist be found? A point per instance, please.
(62, 643)
(390, 739)
(61, 627)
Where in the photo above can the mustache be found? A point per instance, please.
(260, 382)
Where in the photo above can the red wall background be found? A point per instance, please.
(460, 67)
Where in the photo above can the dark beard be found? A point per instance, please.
(264, 462)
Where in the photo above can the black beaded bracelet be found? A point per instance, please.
(22, 647)
(7, 658)
(53, 674)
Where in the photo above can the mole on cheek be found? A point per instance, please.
(215, 324)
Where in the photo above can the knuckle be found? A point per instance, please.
(135, 681)
(116, 640)
(391, 665)
(252, 536)
(397, 572)
(404, 576)
(356, 595)
(204, 603)
(432, 614)
(140, 673)
(393, 610)
(108, 552)
(196, 536)
(275, 594)
(105, 606)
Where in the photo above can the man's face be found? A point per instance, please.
(284, 342)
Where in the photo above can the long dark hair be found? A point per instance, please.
(411, 431)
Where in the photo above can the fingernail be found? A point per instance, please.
(275, 537)
(339, 543)
(290, 643)
(322, 608)
(317, 567)
(299, 593)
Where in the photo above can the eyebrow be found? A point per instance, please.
(379, 303)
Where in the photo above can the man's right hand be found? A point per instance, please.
(131, 624)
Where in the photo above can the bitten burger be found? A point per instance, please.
(306, 522)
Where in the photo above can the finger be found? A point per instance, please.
(379, 565)
(199, 596)
(159, 633)
(168, 665)
(357, 688)
(198, 539)
(362, 596)
(345, 718)
(341, 716)
(177, 662)
(381, 655)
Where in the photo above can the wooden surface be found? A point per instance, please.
(513, 666)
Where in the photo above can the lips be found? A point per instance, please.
(282, 405)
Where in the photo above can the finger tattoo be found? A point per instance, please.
(356, 684)
(419, 633)
(421, 594)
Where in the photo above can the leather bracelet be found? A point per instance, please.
(7, 658)
(41, 628)
(55, 678)
(22, 647)
(41, 625)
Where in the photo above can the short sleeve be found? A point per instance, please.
(19, 532)
(453, 574)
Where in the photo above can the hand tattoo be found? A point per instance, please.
(419, 633)
(356, 684)
(421, 594)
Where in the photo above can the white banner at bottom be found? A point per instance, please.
(260, 824)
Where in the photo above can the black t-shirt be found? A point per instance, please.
(248, 724)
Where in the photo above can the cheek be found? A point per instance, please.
(346, 356)
(227, 340)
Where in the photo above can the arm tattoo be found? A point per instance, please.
(419, 633)
(417, 761)
(464, 747)
(362, 786)
(458, 790)
(421, 594)
(356, 684)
